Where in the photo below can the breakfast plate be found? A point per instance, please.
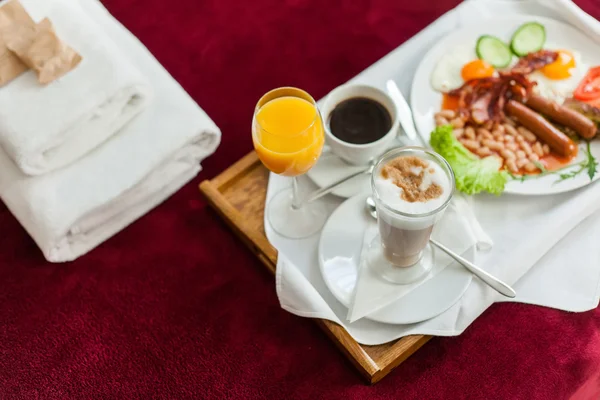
(339, 252)
(442, 66)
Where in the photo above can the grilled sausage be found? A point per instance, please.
(544, 130)
(563, 115)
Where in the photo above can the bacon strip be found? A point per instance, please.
(481, 100)
(534, 61)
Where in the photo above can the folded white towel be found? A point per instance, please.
(72, 210)
(45, 127)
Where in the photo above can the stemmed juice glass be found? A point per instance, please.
(288, 136)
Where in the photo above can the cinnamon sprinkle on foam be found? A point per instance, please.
(408, 173)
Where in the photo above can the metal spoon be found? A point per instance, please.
(488, 279)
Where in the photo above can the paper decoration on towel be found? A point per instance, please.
(45, 53)
(36, 45)
(11, 14)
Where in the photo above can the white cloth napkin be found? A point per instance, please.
(45, 127)
(70, 211)
(575, 16)
(372, 293)
(546, 247)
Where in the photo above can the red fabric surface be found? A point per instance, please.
(176, 307)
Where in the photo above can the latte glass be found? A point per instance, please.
(401, 253)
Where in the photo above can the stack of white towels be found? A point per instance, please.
(86, 155)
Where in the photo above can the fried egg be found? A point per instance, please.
(558, 81)
(457, 67)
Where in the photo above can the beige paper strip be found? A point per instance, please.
(50, 57)
(34, 45)
(12, 15)
(14, 11)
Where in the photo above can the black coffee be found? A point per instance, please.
(360, 120)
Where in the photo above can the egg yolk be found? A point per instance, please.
(561, 68)
(476, 69)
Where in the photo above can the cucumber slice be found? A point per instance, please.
(529, 38)
(494, 51)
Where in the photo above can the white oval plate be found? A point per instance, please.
(425, 101)
(339, 254)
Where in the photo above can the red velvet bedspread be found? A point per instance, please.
(176, 307)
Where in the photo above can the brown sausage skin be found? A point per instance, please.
(544, 130)
(563, 115)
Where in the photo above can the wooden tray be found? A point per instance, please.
(238, 195)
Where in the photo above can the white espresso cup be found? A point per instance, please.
(359, 154)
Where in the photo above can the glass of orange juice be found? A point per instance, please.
(288, 136)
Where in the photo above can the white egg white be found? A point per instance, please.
(446, 74)
(559, 90)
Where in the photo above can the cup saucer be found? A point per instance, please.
(339, 255)
(330, 168)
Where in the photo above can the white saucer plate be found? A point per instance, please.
(340, 248)
(330, 168)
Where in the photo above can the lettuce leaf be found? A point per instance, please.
(473, 175)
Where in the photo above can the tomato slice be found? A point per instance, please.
(589, 88)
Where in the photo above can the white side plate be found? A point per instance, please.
(339, 254)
